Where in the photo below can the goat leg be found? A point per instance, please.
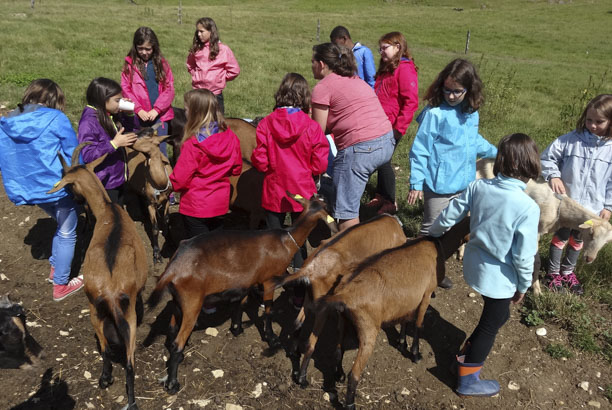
(401, 341)
(106, 378)
(312, 342)
(172, 385)
(269, 336)
(154, 234)
(418, 328)
(339, 375)
(129, 386)
(236, 326)
(366, 332)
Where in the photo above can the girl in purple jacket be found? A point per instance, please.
(97, 125)
(147, 80)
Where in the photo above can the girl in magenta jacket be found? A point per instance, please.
(291, 149)
(210, 62)
(147, 80)
(397, 88)
(210, 154)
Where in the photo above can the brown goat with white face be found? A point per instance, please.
(114, 270)
(392, 286)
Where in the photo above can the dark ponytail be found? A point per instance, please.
(339, 59)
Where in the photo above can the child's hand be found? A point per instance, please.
(124, 140)
(413, 196)
(557, 185)
(517, 298)
(153, 115)
(143, 115)
(605, 214)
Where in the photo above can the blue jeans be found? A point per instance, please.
(64, 211)
(352, 169)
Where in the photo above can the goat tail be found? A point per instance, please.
(328, 303)
(157, 293)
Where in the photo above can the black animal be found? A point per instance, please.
(18, 349)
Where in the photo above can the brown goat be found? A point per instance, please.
(114, 270)
(248, 186)
(333, 259)
(392, 286)
(18, 349)
(148, 171)
(227, 264)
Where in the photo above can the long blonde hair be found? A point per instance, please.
(202, 109)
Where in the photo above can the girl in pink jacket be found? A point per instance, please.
(210, 154)
(291, 149)
(210, 62)
(397, 88)
(147, 80)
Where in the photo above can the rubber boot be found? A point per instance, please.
(469, 383)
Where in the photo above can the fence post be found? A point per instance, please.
(180, 12)
(467, 42)
(318, 29)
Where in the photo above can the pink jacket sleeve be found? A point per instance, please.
(127, 90)
(191, 62)
(231, 67)
(259, 157)
(164, 101)
(237, 167)
(408, 96)
(320, 149)
(185, 169)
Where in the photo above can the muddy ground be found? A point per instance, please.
(254, 377)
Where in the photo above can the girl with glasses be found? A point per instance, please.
(447, 143)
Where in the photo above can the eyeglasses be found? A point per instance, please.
(456, 93)
(384, 47)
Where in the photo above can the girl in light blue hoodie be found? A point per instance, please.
(498, 260)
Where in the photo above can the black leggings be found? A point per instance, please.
(195, 226)
(495, 314)
(385, 185)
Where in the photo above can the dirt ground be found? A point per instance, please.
(254, 377)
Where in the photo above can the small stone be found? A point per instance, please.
(87, 375)
(196, 370)
(541, 331)
(584, 386)
(83, 311)
(200, 403)
(217, 373)
(471, 295)
(27, 219)
(211, 331)
(89, 405)
(119, 399)
(3, 276)
(326, 396)
(405, 392)
(595, 404)
(230, 406)
(258, 390)
(32, 324)
(63, 333)
(513, 385)
(598, 375)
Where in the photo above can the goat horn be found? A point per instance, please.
(77, 151)
(65, 166)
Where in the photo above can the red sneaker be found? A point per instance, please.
(387, 207)
(61, 292)
(51, 274)
(375, 202)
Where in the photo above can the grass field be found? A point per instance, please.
(540, 62)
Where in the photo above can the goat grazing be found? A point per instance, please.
(18, 349)
(114, 270)
(148, 171)
(226, 264)
(392, 286)
(333, 259)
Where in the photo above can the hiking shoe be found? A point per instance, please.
(571, 281)
(61, 292)
(375, 202)
(446, 283)
(51, 274)
(388, 207)
(554, 282)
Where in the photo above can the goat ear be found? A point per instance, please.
(297, 198)
(93, 164)
(161, 138)
(586, 224)
(58, 185)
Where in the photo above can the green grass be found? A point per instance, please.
(540, 62)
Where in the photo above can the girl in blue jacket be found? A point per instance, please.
(579, 164)
(498, 260)
(447, 143)
(31, 137)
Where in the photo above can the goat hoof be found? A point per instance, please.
(236, 331)
(349, 406)
(416, 357)
(340, 376)
(172, 387)
(104, 382)
(302, 382)
(157, 259)
(273, 341)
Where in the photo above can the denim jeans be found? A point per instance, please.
(352, 169)
(64, 211)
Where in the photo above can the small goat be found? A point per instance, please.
(114, 270)
(248, 186)
(334, 258)
(227, 264)
(148, 171)
(392, 286)
(18, 349)
(558, 211)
